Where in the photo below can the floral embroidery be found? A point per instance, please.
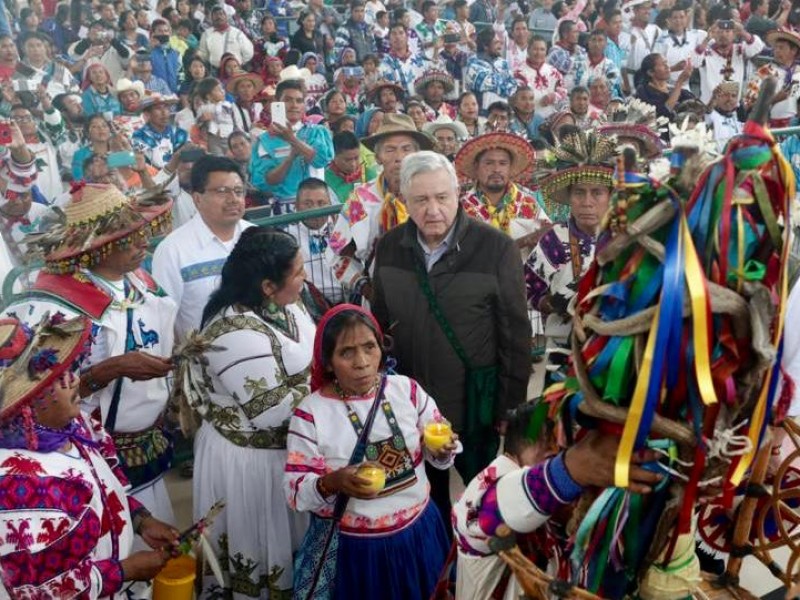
(354, 211)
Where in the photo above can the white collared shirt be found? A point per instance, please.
(188, 264)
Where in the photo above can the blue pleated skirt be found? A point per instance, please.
(401, 566)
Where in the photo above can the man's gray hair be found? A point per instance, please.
(425, 161)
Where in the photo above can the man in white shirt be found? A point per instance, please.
(721, 58)
(223, 38)
(643, 33)
(677, 43)
(188, 262)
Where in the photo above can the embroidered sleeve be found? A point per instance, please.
(526, 498)
(305, 464)
(540, 269)
(48, 535)
(251, 372)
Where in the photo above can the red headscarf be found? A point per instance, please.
(318, 375)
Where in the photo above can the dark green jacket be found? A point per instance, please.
(480, 287)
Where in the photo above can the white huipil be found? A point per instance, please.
(247, 393)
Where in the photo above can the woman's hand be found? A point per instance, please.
(143, 565)
(158, 535)
(348, 481)
(591, 462)
(446, 451)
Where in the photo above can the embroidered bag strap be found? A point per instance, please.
(425, 285)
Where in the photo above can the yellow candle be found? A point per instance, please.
(376, 475)
(437, 435)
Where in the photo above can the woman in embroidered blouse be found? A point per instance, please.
(98, 97)
(383, 534)
(64, 507)
(468, 114)
(248, 385)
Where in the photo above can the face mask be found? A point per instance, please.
(162, 39)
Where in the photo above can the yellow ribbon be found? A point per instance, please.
(696, 282)
(634, 418)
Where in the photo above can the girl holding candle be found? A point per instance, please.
(382, 533)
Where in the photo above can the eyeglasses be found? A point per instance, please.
(238, 192)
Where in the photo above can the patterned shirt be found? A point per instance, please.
(715, 67)
(544, 81)
(490, 79)
(572, 65)
(158, 146)
(518, 213)
(404, 71)
(428, 34)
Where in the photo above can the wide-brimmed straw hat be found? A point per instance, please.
(398, 124)
(581, 157)
(32, 359)
(520, 151)
(374, 92)
(444, 122)
(126, 85)
(434, 75)
(293, 73)
(787, 35)
(649, 142)
(151, 100)
(98, 220)
(241, 76)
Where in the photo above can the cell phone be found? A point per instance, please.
(5, 134)
(115, 160)
(451, 38)
(278, 113)
(725, 24)
(353, 71)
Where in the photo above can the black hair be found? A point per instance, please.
(459, 3)
(289, 84)
(565, 27)
(237, 134)
(536, 38)
(557, 8)
(205, 86)
(518, 19)
(344, 321)
(398, 14)
(211, 164)
(485, 39)
(518, 437)
(500, 105)
(578, 89)
(754, 5)
(261, 253)
(187, 23)
(311, 183)
(380, 14)
(336, 126)
(643, 76)
(426, 5)
(356, 4)
(187, 63)
(345, 140)
(123, 16)
(91, 119)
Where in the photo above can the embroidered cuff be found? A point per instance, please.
(563, 485)
(111, 576)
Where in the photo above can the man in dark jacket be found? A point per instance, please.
(355, 33)
(443, 271)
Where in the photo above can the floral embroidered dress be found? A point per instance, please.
(65, 520)
(518, 213)
(131, 315)
(546, 81)
(245, 394)
(370, 212)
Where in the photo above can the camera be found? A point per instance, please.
(725, 24)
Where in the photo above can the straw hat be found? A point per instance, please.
(520, 151)
(394, 124)
(434, 75)
(31, 360)
(98, 220)
(637, 121)
(581, 157)
(445, 122)
(151, 100)
(126, 85)
(237, 78)
(375, 91)
(293, 73)
(787, 35)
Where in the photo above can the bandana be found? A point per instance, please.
(318, 375)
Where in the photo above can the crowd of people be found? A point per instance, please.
(458, 158)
